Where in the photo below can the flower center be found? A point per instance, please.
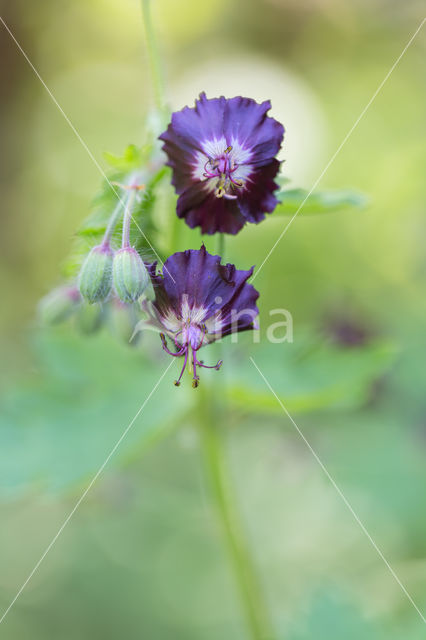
(222, 169)
(192, 335)
(187, 342)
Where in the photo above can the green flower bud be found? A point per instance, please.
(58, 305)
(129, 274)
(96, 274)
(89, 318)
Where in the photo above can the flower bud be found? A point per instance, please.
(58, 305)
(130, 275)
(96, 274)
(89, 318)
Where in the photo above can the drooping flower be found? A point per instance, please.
(222, 153)
(197, 301)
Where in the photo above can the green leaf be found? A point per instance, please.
(330, 617)
(294, 200)
(307, 375)
(133, 158)
(58, 426)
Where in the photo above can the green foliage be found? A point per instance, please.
(330, 618)
(291, 200)
(133, 158)
(51, 439)
(307, 375)
(58, 427)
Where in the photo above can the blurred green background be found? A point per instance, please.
(144, 556)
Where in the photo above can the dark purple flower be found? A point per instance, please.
(222, 153)
(197, 301)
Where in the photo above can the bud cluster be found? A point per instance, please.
(116, 276)
(104, 270)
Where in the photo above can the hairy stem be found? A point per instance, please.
(154, 58)
(127, 218)
(215, 463)
(112, 223)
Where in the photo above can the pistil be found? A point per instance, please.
(222, 168)
(183, 350)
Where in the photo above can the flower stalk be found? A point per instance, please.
(214, 457)
(112, 223)
(255, 609)
(221, 246)
(128, 217)
(154, 58)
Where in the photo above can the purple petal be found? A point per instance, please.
(240, 313)
(200, 276)
(259, 198)
(181, 161)
(218, 294)
(209, 213)
(190, 126)
(248, 122)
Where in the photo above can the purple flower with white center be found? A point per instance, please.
(222, 153)
(197, 301)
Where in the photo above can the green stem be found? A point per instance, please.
(214, 458)
(175, 233)
(127, 218)
(113, 221)
(221, 245)
(154, 58)
(214, 455)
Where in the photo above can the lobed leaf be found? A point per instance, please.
(299, 200)
(307, 375)
(58, 426)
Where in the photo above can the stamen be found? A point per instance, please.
(175, 340)
(211, 163)
(201, 362)
(177, 382)
(238, 183)
(222, 168)
(195, 379)
(167, 350)
(216, 366)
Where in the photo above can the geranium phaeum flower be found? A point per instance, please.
(197, 301)
(222, 153)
